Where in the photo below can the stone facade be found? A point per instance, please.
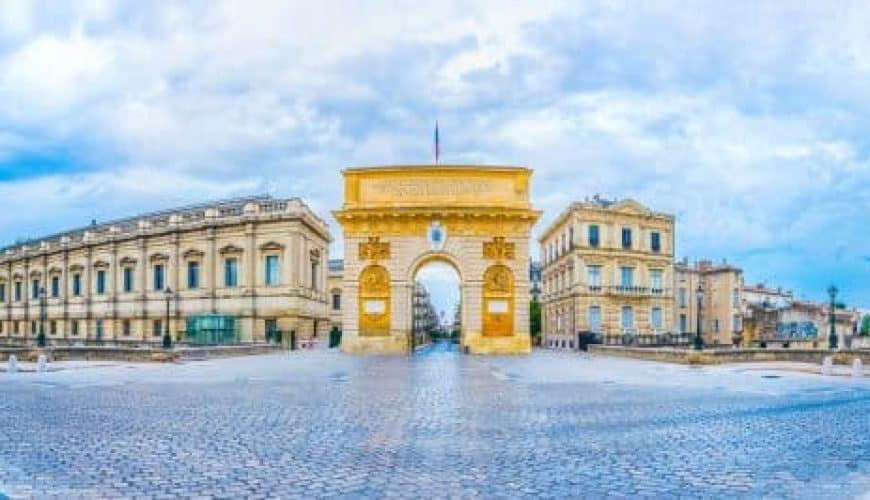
(259, 259)
(334, 278)
(608, 269)
(475, 219)
(721, 304)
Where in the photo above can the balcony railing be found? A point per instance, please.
(628, 290)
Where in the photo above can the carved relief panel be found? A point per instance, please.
(374, 301)
(498, 301)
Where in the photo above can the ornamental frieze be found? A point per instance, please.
(374, 249)
(498, 249)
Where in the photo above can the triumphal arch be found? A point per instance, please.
(474, 218)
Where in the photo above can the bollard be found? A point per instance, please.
(857, 368)
(827, 365)
(13, 364)
(41, 363)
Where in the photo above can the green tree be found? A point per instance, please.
(865, 325)
(535, 318)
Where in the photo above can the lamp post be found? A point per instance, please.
(167, 339)
(832, 337)
(40, 339)
(699, 342)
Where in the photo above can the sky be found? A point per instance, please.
(746, 120)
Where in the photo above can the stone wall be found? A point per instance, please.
(113, 353)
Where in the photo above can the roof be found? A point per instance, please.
(626, 205)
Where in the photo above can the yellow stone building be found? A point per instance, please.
(608, 269)
(259, 260)
(721, 301)
(397, 219)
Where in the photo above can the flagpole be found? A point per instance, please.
(437, 145)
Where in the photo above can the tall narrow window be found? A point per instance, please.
(231, 274)
(655, 241)
(128, 279)
(17, 291)
(273, 271)
(336, 301)
(74, 327)
(35, 289)
(627, 318)
(735, 297)
(55, 286)
(77, 285)
(593, 278)
(626, 237)
(157, 328)
(193, 274)
(656, 318)
(684, 323)
(101, 282)
(626, 277)
(593, 236)
(52, 327)
(682, 297)
(595, 319)
(655, 280)
(735, 323)
(716, 325)
(99, 329)
(125, 327)
(314, 266)
(2, 292)
(158, 276)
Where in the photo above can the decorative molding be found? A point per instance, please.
(101, 264)
(374, 249)
(158, 257)
(271, 246)
(55, 270)
(498, 249)
(231, 250)
(193, 253)
(128, 261)
(76, 267)
(314, 255)
(36, 273)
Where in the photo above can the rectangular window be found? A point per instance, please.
(655, 280)
(593, 277)
(101, 282)
(74, 327)
(193, 274)
(16, 327)
(716, 325)
(682, 297)
(655, 242)
(684, 323)
(656, 318)
(735, 323)
(128, 279)
(35, 289)
(33, 327)
(336, 301)
(272, 270)
(626, 237)
(77, 285)
(17, 291)
(570, 238)
(627, 318)
(593, 236)
(314, 274)
(595, 319)
(626, 277)
(735, 297)
(2, 292)
(157, 328)
(125, 327)
(55, 286)
(52, 327)
(231, 276)
(99, 329)
(158, 276)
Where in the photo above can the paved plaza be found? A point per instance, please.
(323, 424)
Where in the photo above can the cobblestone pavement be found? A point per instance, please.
(439, 425)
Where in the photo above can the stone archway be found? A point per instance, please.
(395, 219)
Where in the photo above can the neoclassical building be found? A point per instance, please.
(260, 261)
(608, 269)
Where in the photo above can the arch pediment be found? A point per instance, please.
(271, 246)
(231, 249)
(128, 261)
(158, 257)
(193, 253)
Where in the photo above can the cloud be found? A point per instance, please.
(747, 121)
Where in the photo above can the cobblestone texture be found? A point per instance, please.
(440, 425)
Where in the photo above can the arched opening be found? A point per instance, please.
(436, 306)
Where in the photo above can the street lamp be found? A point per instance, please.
(699, 342)
(40, 339)
(832, 337)
(167, 340)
